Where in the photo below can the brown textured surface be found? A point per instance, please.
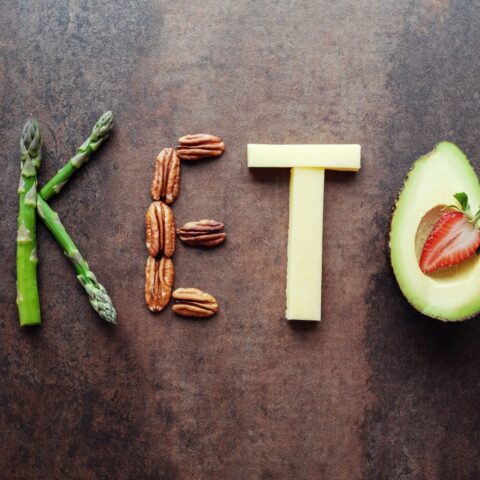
(375, 391)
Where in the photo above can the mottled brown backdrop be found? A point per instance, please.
(375, 391)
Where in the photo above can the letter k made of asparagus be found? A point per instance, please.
(31, 201)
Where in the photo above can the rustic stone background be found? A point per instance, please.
(375, 391)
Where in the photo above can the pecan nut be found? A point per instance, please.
(192, 302)
(166, 179)
(160, 230)
(207, 233)
(200, 145)
(159, 276)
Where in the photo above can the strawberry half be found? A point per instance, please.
(453, 239)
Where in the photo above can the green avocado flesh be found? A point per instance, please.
(449, 294)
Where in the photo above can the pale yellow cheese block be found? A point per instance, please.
(304, 266)
(331, 157)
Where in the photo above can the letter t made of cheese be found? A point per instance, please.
(308, 164)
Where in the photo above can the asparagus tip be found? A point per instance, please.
(100, 300)
(103, 126)
(31, 138)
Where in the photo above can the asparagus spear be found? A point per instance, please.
(99, 134)
(97, 294)
(28, 301)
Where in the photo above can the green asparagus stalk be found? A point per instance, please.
(97, 294)
(28, 301)
(99, 134)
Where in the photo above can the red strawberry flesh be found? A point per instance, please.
(452, 240)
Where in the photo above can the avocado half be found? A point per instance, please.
(450, 294)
